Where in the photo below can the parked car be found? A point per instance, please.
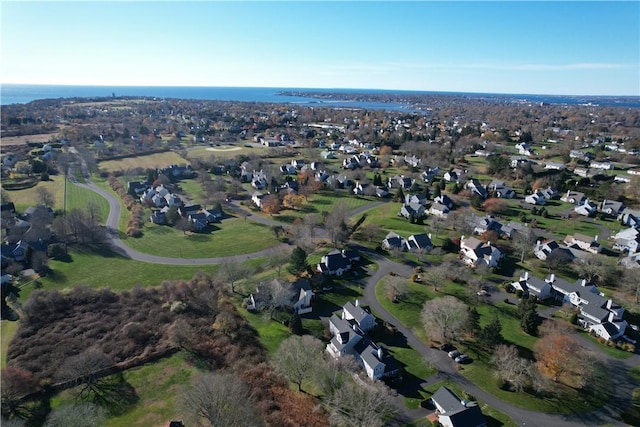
(483, 293)
(454, 353)
(462, 358)
(447, 347)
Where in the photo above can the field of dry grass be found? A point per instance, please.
(146, 161)
(24, 139)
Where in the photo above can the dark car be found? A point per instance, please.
(454, 353)
(462, 358)
(447, 347)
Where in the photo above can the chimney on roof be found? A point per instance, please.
(526, 275)
(357, 303)
(584, 282)
(552, 278)
(380, 353)
(595, 239)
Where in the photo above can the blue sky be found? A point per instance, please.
(543, 47)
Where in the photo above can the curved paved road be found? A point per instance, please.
(445, 366)
(447, 369)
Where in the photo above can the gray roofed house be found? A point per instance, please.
(444, 200)
(335, 263)
(611, 207)
(440, 210)
(364, 319)
(575, 197)
(452, 411)
(475, 252)
(415, 210)
(533, 286)
(419, 242)
(393, 241)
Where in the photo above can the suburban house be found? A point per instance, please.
(430, 174)
(257, 197)
(611, 207)
(300, 301)
(438, 209)
(477, 188)
(630, 217)
(476, 253)
(483, 224)
(533, 286)
(455, 175)
(336, 262)
(443, 199)
(535, 199)
(419, 242)
(575, 197)
(584, 243)
(412, 210)
(627, 240)
(588, 208)
(602, 165)
(303, 296)
(393, 241)
(420, 199)
(501, 189)
(452, 411)
(158, 216)
(401, 182)
(350, 339)
(583, 172)
(554, 166)
(597, 313)
(549, 193)
(524, 149)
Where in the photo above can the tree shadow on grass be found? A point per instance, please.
(492, 422)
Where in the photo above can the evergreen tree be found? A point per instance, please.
(437, 192)
(491, 335)
(473, 321)
(298, 264)
(427, 192)
(400, 195)
(528, 315)
(442, 184)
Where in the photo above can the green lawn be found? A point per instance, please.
(7, 331)
(233, 236)
(107, 269)
(77, 197)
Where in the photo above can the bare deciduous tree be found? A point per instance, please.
(336, 224)
(361, 405)
(297, 357)
(511, 367)
(396, 288)
(45, 197)
(231, 272)
(77, 415)
(444, 318)
(219, 399)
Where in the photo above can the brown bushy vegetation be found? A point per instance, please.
(131, 328)
(136, 212)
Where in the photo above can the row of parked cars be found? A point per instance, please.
(455, 354)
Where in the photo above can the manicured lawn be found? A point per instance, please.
(386, 216)
(77, 197)
(225, 151)
(233, 236)
(107, 269)
(322, 203)
(635, 373)
(148, 161)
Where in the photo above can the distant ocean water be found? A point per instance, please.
(22, 94)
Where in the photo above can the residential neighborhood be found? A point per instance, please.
(347, 231)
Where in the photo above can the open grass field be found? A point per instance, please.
(321, 203)
(147, 161)
(225, 151)
(77, 197)
(157, 385)
(386, 216)
(24, 139)
(233, 236)
(107, 269)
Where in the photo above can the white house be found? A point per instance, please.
(588, 208)
(532, 285)
(535, 199)
(584, 243)
(440, 210)
(575, 197)
(475, 252)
